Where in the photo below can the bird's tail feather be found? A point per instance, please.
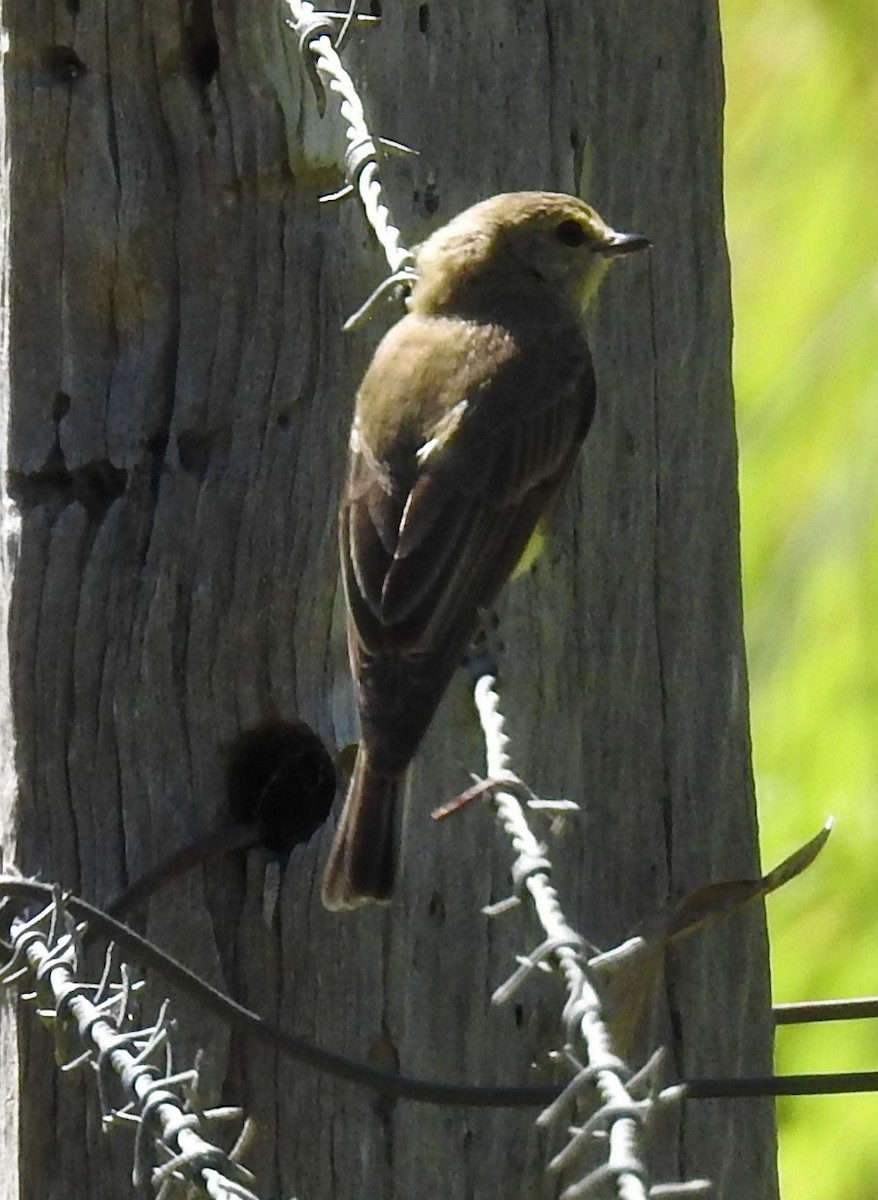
(362, 861)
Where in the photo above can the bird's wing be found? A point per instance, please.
(420, 561)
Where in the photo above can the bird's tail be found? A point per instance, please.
(362, 861)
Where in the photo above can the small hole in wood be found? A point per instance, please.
(200, 44)
(64, 64)
(193, 448)
(157, 443)
(280, 775)
(97, 485)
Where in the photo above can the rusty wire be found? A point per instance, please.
(173, 1151)
(628, 1098)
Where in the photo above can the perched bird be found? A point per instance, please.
(467, 424)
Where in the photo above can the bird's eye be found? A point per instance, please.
(570, 233)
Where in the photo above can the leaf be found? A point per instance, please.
(630, 970)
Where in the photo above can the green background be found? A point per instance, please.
(802, 214)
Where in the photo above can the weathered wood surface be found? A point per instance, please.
(179, 391)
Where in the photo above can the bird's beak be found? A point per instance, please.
(624, 243)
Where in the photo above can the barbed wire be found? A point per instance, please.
(163, 1102)
(315, 30)
(291, 1045)
(628, 1098)
(424, 1091)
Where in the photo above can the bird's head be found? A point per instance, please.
(519, 242)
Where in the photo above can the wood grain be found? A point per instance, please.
(179, 392)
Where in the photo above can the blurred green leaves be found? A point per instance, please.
(802, 211)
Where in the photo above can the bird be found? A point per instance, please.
(466, 426)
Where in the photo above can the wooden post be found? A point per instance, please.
(178, 392)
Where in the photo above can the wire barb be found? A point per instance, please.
(314, 31)
(627, 1098)
(162, 1102)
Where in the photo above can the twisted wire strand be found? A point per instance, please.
(161, 1101)
(291, 1045)
(621, 1115)
(300, 1050)
(325, 69)
(191, 1155)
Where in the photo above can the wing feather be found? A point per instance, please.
(430, 538)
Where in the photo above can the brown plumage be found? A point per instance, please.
(467, 424)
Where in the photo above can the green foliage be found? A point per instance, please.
(802, 198)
